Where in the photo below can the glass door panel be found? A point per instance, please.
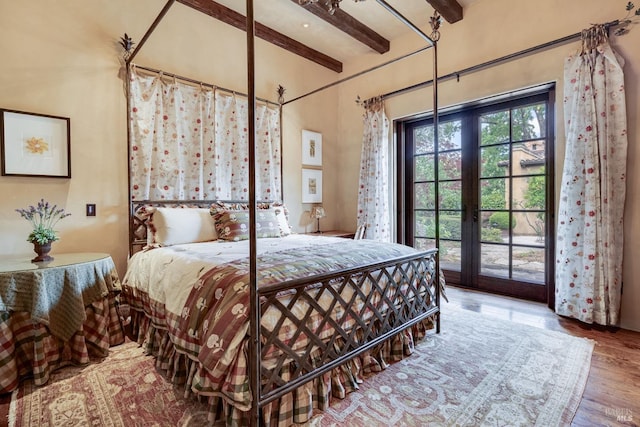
(480, 195)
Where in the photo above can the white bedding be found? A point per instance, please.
(166, 267)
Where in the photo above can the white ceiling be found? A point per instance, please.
(288, 18)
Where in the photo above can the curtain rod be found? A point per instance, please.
(455, 74)
(493, 62)
(187, 79)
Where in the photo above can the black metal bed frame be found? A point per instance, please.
(394, 305)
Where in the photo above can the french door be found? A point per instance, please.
(483, 194)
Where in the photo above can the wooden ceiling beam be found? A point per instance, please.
(450, 10)
(348, 24)
(238, 20)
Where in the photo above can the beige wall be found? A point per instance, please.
(491, 29)
(62, 58)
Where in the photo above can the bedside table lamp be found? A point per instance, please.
(318, 212)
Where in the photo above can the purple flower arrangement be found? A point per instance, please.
(43, 217)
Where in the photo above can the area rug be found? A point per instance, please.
(479, 371)
(123, 390)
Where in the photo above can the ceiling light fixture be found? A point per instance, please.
(332, 5)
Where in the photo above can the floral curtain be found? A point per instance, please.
(373, 193)
(590, 217)
(190, 143)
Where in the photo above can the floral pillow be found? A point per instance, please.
(281, 212)
(233, 225)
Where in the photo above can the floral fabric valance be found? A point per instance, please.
(191, 143)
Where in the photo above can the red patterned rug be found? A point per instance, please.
(123, 390)
(478, 372)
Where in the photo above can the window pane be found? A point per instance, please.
(450, 165)
(529, 229)
(449, 253)
(425, 224)
(528, 158)
(450, 135)
(528, 264)
(493, 193)
(424, 244)
(528, 122)
(424, 170)
(494, 128)
(494, 161)
(425, 195)
(528, 193)
(450, 195)
(494, 227)
(450, 226)
(494, 260)
(423, 139)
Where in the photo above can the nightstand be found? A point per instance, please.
(336, 233)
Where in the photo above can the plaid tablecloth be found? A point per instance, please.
(57, 294)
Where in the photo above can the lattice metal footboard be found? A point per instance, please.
(366, 306)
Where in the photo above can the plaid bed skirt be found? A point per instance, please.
(296, 407)
(28, 349)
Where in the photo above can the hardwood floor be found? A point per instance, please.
(612, 393)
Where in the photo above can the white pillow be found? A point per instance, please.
(189, 225)
(283, 223)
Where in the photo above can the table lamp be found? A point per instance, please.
(318, 212)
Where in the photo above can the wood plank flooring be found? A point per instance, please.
(612, 393)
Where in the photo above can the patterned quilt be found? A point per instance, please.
(213, 321)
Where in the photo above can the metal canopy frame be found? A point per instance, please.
(254, 315)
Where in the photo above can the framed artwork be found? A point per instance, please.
(311, 148)
(35, 144)
(311, 186)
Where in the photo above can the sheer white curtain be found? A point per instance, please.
(590, 214)
(373, 193)
(190, 142)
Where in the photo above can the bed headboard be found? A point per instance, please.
(139, 215)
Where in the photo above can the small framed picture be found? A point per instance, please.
(311, 186)
(311, 148)
(35, 144)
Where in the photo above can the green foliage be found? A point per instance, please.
(534, 196)
(42, 235)
(490, 235)
(450, 226)
(493, 199)
(500, 220)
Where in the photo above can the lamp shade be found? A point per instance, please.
(318, 212)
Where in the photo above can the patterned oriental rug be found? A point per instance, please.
(478, 371)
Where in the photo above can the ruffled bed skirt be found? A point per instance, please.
(27, 348)
(231, 402)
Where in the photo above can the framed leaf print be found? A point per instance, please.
(311, 148)
(35, 144)
(311, 186)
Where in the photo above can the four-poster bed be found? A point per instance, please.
(265, 337)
